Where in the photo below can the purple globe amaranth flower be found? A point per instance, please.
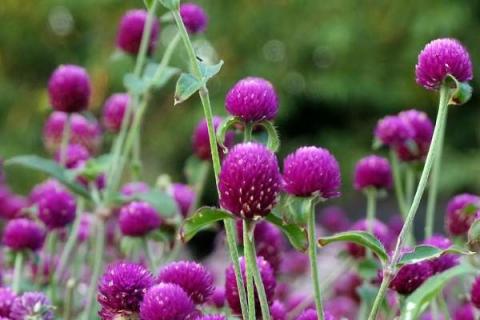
(76, 155)
(334, 219)
(462, 210)
(7, 297)
(40, 190)
(138, 218)
(32, 305)
(166, 301)
(411, 276)
(132, 188)
(194, 279)
(392, 131)
(194, 17)
(23, 234)
(416, 148)
(231, 289)
(311, 170)
(464, 312)
(373, 172)
(294, 263)
(122, 288)
(475, 293)
(69, 88)
(83, 131)
(347, 285)
(311, 314)
(249, 181)
(217, 299)
(446, 261)
(252, 99)
(184, 197)
(212, 317)
(57, 208)
(380, 231)
(130, 32)
(342, 307)
(12, 206)
(442, 57)
(278, 311)
(114, 111)
(201, 141)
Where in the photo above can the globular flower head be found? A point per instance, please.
(69, 88)
(278, 311)
(166, 301)
(184, 197)
(311, 314)
(231, 289)
(446, 261)
(294, 263)
(201, 141)
(392, 131)
(57, 208)
(440, 58)
(311, 170)
(249, 181)
(411, 276)
(464, 312)
(138, 218)
(380, 231)
(7, 297)
(334, 219)
(212, 317)
(462, 210)
(83, 131)
(373, 172)
(475, 293)
(32, 305)
(342, 307)
(194, 17)
(130, 32)
(252, 99)
(76, 155)
(12, 205)
(421, 126)
(41, 190)
(217, 299)
(22, 234)
(114, 111)
(194, 279)
(132, 188)
(122, 287)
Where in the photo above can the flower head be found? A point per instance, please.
(166, 301)
(114, 111)
(334, 219)
(42, 189)
(411, 276)
(462, 210)
(57, 208)
(12, 205)
(212, 317)
(194, 279)
(464, 312)
(417, 147)
(446, 261)
(184, 196)
(475, 293)
(21, 234)
(194, 17)
(442, 57)
(130, 32)
(217, 299)
(7, 297)
(341, 307)
(252, 99)
(32, 305)
(122, 287)
(249, 181)
(311, 314)
(76, 156)
(201, 141)
(132, 188)
(392, 131)
(278, 311)
(69, 88)
(309, 170)
(138, 218)
(373, 172)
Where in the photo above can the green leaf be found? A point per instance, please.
(148, 3)
(187, 85)
(96, 166)
(155, 80)
(128, 245)
(296, 235)
(209, 71)
(226, 125)
(52, 169)
(294, 210)
(163, 202)
(273, 142)
(170, 4)
(361, 238)
(419, 300)
(474, 236)
(424, 252)
(134, 84)
(201, 219)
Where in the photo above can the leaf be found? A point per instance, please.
(52, 169)
(158, 78)
(129, 245)
(424, 252)
(163, 202)
(148, 3)
(209, 71)
(96, 166)
(226, 125)
(134, 84)
(187, 85)
(296, 235)
(362, 238)
(419, 300)
(273, 142)
(201, 219)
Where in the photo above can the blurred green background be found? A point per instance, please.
(338, 66)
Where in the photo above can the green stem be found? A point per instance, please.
(397, 179)
(409, 184)
(17, 271)
(149, 255)
(69, 299)
(432, 154)
(249, 261)
(248, 132)
(65, 139)
(145, 42)
(312, 252)
(97, 269)
(371, 194)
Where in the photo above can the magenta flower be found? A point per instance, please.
(422, 128)
(347, 285)
(114, 111)
(311, 314)
(12, 205)
(464, 312)
(130, 32)
(440, 58)
(122, 288)
(446, 261)
(138, 218)
(311, 170)
(23, 234)
(278, 311)
(462, 210)
(395, 224)
(201, 142)
(7, 297)
(132, 188)
(380, 231)
(57, 208)
(212, 317)
(32, 305)
(411, 276)
(76, 156)
(217, 299)
(85, 229)
(252, 99)
(373, 172)
(69, 88)
(294, 263)
(341, 307)
(166, 301)
(392, 131)
(475, 293)
(194, 17)
(192, 277)
(42, 189)
(249, 181)
(231, 289)
(184, 197)
(334, 219)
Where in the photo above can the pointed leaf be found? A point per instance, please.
(187, 85)
(273, 142)
(361, 238)
(224, 127)
(209, 71)
(296, 235)
(424, 252)
(201, 219)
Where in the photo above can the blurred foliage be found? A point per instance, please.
(338, 66)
